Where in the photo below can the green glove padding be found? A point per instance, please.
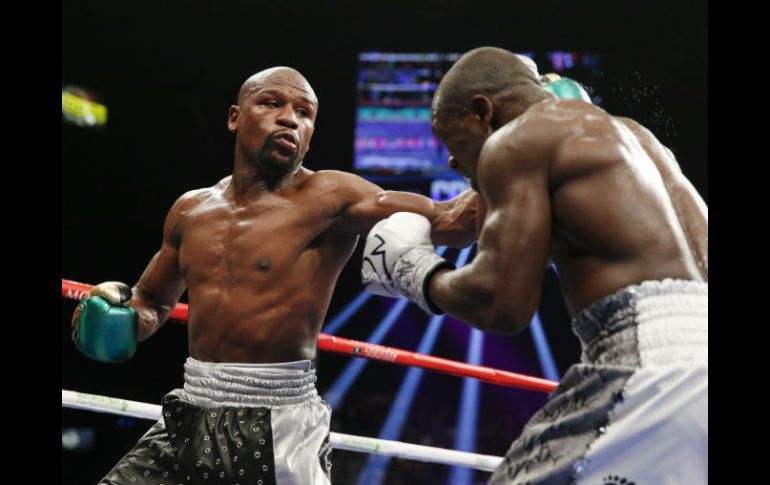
(103, 331)
(566, 88)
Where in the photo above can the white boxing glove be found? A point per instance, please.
(399, 259)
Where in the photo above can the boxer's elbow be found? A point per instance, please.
(501, 322)
(505, 315)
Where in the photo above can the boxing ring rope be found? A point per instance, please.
(362, 444)
(330, 343)
(92, 402)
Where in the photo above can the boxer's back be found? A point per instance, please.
(614, 222)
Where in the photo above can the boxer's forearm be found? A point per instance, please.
(455, 221)
(157, 291)
(471, 295)
(457, 296)
(151, 314)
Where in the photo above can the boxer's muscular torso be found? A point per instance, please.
(260, 272)
(260, 275)
(621, 211)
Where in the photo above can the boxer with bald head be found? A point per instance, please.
(259, 254)
(564, 181)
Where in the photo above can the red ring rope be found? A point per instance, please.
(77, 291)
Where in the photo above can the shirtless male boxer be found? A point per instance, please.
(259, 254)
(563, 180)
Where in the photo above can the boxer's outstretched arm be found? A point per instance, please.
(161, 284)
(453, 221)
(499, 291)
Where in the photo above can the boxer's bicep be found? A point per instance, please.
(514, 243)
(499, 291)
(161, 284)
(359, 201)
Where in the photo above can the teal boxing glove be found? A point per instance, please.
(564, 87)
(103, 327)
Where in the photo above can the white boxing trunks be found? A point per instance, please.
(635, 410)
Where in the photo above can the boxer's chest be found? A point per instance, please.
(264, 237)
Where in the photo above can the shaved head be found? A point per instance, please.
(273, 121)
(276, 75)
(493, 72)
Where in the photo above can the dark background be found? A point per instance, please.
(168, 72)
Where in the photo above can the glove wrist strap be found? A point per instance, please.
(413, 272)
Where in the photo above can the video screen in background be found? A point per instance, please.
(393, 137)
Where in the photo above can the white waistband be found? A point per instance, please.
(209, 384)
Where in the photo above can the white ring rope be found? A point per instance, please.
(112, 405)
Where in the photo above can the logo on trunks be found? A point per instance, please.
(375, 352)
(616, 480)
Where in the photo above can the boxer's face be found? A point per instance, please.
(463, 137)
(275, 120)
